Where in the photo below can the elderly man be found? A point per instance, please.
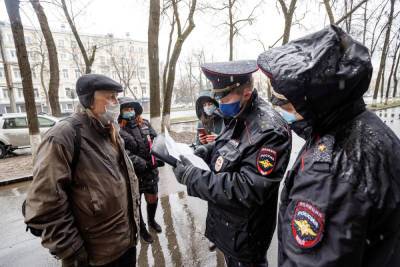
(84, 196)
(247, 161)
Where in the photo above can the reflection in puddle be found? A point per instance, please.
(182, 242)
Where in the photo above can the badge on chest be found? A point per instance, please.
(218, 163)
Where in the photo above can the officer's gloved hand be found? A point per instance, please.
(160, 163)
(79, 259)
(201, 151)
(182, 170)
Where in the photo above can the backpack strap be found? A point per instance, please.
(76, 124)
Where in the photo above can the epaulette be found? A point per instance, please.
(322, 154)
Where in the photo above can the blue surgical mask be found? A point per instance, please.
(209, 110)
(128, 115)
(287, 116)
(230, 110)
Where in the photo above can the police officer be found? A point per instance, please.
(247, 162)
(340, 205)
(138, 135)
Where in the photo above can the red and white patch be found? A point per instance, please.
(218, 163)
(266, 160)
(307, 224)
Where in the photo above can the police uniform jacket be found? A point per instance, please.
(247, 162)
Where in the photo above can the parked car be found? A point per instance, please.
(14, 133)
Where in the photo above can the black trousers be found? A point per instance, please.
(128, 259)
(231, 262)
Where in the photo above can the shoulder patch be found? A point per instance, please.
(308, 224)
(323, 149)
(266, 160)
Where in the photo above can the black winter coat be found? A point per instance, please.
(247, 162)
(136, 142)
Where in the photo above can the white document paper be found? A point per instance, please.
(177, 149)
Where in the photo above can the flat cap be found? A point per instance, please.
(87, 84)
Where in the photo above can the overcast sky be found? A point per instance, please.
(122, 16)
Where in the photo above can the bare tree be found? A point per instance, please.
(7, 74)
(54, 81)
(235, 21)
(87, 59)
(126, 68)
(384, 52)
(288, 12)
(182, 35)
(391, 74)
(347, 15)
(24, 66)
(154, 75)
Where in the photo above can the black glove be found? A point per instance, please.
(201, 151)
(79, 259)
(139, 164)
(182, 170)
(160, 163)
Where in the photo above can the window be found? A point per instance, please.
(68, 92)
(1, 72)
(141, 61)
(10, 38)
(13, 53)
(5, 93)
(142, 74)
(65, 74)
(61, 43)
(36, 92)
(102, 60)
(63, 56)
(43, 122)
(33, 74)
(15, 123)
(20, 92)
(69, 106)
(17, 74)
(77, 73)
(28, 40)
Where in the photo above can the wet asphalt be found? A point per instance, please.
(181, 243)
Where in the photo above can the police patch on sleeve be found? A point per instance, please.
(266, 160)
(307, 224)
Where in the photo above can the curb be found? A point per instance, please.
(15, 180)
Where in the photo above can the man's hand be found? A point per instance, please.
(181, 170)
(203, 138)
(211, 138)
(79, 259)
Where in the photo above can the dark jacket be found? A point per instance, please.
(340, 205)
(247, 162)
(98, 207)
(136, 142)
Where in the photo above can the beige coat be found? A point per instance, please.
(98, 208)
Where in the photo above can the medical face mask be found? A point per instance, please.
(111, 114)
(287, 116)
(209, 110)
(230, 110)
(128, 115)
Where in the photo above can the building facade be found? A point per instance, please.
(123, 59)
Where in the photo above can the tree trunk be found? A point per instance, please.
(43, 83)
(288, 15)
(25, 69)
(154, 74)
(384, 51)
(88, 61)
(231, 30)
(365, 22)
(329, 12)
(54, 82)
(181, 37)
(391, 72)
(395, 77)
(7, 74)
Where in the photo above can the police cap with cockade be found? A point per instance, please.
(87, 84)
(226, 76)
